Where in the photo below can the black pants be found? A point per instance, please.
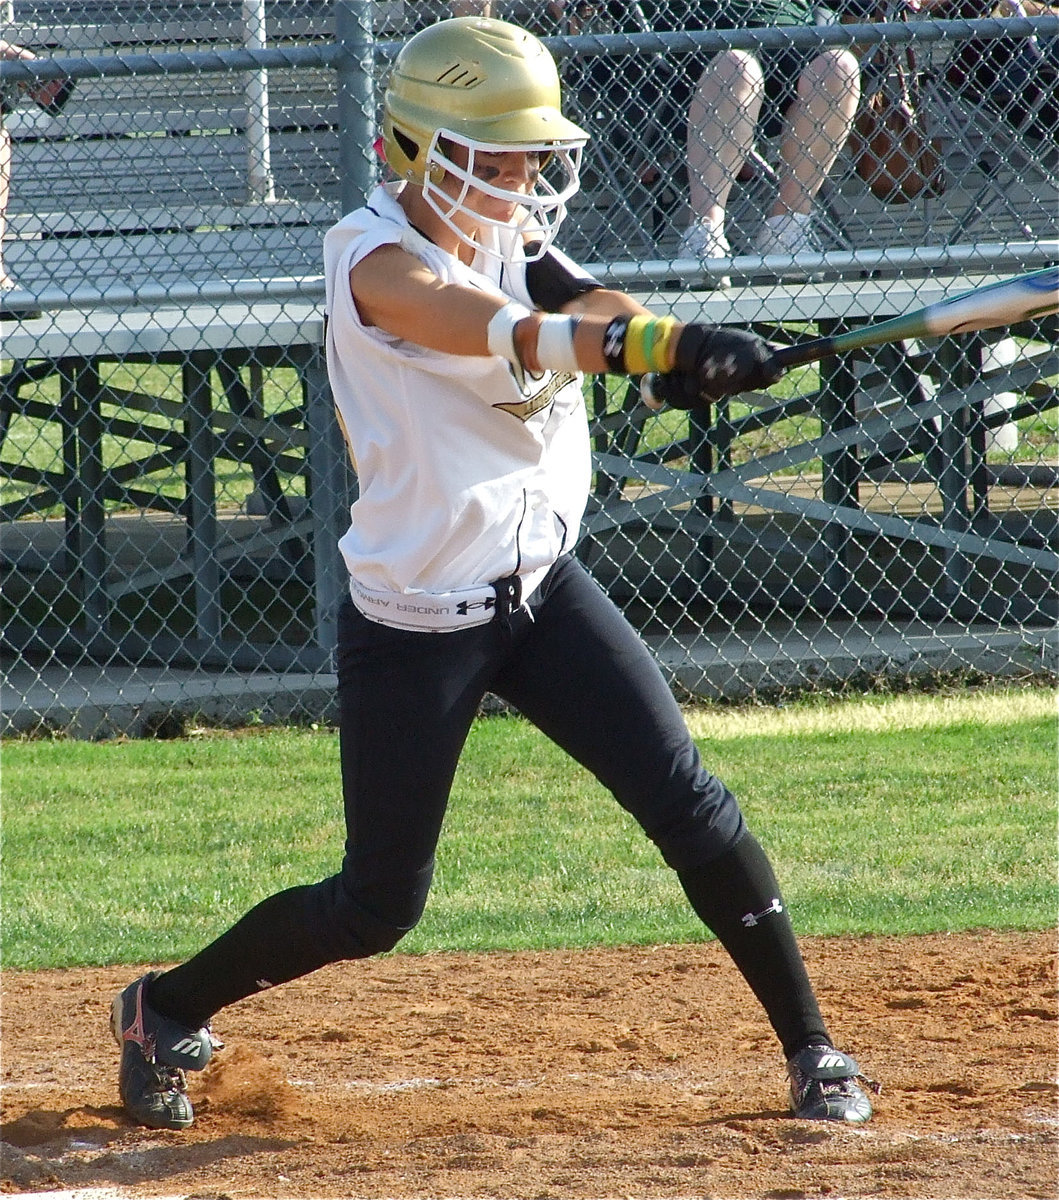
(574, 667)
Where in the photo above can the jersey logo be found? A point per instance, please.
(533, 404)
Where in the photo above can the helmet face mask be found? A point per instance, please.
(538, 212)
(490, 88)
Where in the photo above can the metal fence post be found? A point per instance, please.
(262, 183)
(356, 115)
(953, 480)
(202, 497)
(841, 472)
(92, 517)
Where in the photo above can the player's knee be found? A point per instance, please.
(703, 830)
(376, 937)
(358, 926)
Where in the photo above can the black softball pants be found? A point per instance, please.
(574, 667)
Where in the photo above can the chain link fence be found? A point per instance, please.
(174, 483)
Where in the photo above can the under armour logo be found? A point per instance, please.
(614, 339)
(465, 606)
(752, 919)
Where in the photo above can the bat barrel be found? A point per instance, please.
(1006, 302)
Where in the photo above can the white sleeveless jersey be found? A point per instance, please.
(465, 477)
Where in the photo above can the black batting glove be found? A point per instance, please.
(722, 362)
(678, 389)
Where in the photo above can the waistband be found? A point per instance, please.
(440, 612)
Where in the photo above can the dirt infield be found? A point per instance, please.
(625, 1073)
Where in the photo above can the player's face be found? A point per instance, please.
(480, 189)
(511, 170)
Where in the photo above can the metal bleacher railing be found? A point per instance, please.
(174, 481)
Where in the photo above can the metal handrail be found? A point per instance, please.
(342, 51)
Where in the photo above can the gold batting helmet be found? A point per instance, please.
(489, 86)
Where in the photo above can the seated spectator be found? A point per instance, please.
(808, 97)
(1018, 77)
(725, 100)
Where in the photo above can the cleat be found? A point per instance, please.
(824, 1086)
(155, 1053)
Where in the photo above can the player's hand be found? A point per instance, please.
(722, 362)
(678, 389)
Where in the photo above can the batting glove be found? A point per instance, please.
(719, 362)
(678, 389)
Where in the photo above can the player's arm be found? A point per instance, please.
(396, 292)
(594, 330)
(606, 331)
(587, 327)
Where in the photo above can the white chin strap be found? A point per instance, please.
(539, 213)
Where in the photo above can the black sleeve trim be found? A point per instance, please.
(554, 280)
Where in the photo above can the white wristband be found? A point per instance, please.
(555, 343)
(501, 332)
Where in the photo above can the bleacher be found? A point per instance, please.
(1001, 187)
(255, 178)
(152, 233)
(174, 177)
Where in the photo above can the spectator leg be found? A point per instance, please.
(818, 125)
(722, 117)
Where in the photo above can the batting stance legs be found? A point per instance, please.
(575, 668)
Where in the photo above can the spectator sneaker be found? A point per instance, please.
(704, 242)
(789, 234)
(824, 1086)
(155, 1053)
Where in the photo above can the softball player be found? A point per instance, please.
(456, 339)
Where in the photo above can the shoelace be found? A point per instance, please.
(834, 1087)
(169, 1079)
(837, 1087)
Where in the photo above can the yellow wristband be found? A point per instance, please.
(636, 343)
(661, 357)
(647, 341)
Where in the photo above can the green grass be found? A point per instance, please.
(883, 815)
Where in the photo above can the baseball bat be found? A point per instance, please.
(1006, 302)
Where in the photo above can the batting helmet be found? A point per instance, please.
(489, 86)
